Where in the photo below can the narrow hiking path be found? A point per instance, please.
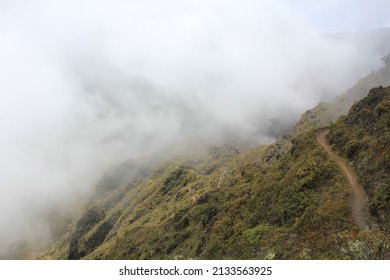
(221, 178)
(359, 197)
(225, 170)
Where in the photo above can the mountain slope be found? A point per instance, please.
(324, 113)
(363, 137)
(359, 197)
(287, 200)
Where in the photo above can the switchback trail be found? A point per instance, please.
(359, 197)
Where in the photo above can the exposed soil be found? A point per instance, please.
(359, 197)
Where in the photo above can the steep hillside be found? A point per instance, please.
(288, 200)
(239, 207)
(324, 113)
(359, 196)
(363, 137)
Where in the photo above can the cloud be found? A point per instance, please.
(87, 84)
(345, 15)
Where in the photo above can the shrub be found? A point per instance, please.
(352, 147)
(253, 235)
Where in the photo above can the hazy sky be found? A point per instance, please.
(344, 15)
(87, 84)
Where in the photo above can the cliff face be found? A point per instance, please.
(287, 200)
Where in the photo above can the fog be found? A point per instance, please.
(87, 84)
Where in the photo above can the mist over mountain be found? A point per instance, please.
(88, 84)
(287, 200)
(374, 41)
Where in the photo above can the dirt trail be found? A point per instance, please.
(359, 198)
(221, 177)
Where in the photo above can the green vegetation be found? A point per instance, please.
(363, 137)
(287, 200)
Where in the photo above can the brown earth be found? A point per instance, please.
(359, 197)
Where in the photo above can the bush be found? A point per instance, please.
(208, 214)
(253, 235)
(352, 147)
